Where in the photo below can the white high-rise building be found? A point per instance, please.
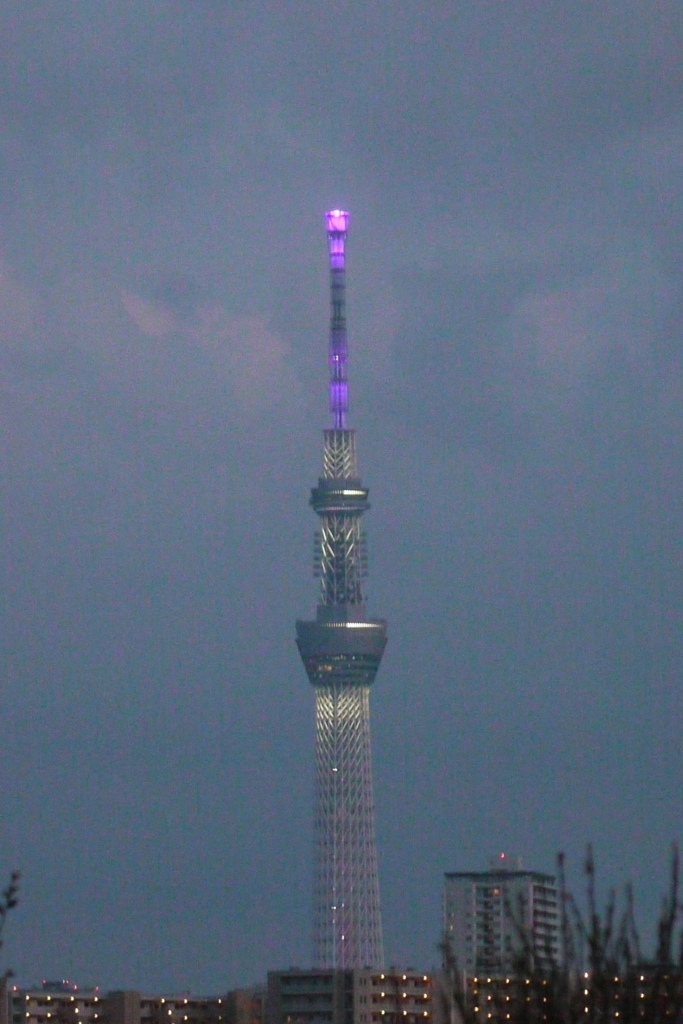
(487, 915)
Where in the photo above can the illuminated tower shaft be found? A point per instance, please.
(341, 651)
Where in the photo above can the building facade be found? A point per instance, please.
(314, 996)
(65, 1003)
(487, 915)
(360, 996)
(245, 1005)
(393, 996)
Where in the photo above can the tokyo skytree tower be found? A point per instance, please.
(341, 651)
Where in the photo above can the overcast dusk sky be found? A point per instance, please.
(515, 262)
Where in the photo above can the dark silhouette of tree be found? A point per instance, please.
(8, 900)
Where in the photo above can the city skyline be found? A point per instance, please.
(513, 172)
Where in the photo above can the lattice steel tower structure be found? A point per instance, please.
(341, 651)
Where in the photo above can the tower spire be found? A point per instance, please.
(341, 651)
(337, 222)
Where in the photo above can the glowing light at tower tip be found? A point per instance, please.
(337, 222)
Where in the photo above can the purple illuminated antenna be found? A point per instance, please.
(337, 222)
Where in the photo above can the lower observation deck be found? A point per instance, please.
(336, 650)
